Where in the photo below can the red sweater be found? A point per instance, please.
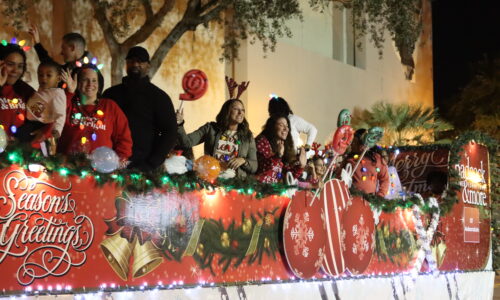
(271, 168)
(13, 112)
(371, 177)
(110, 130)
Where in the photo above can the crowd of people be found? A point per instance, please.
(138, 121)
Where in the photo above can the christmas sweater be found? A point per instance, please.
(271, 168)
(13, 100)
(371, 177)
(88, 127)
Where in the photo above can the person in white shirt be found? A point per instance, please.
(279, 106)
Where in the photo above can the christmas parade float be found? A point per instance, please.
(77, 226)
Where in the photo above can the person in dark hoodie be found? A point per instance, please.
(149, 111)
(72, 49)
(14, 92)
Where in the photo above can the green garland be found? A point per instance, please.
(231, 245)
(135, 181)
(391, 244)
(132, 180)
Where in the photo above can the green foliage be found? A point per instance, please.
(401, 18)
(403, 124)
(258, 20)
(478, 103)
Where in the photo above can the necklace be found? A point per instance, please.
(84, 120)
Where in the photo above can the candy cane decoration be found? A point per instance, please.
(425, 237)
(194, 84)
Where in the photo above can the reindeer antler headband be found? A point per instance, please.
(232, 85)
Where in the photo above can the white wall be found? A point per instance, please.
(316, 86)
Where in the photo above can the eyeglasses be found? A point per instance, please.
(15, 65)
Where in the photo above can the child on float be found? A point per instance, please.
(275, 152)
(47, 105)
(316, 169)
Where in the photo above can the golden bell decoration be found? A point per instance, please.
(224, 240)
(269, 219)
(199, 250)
(267, 243)
(146, 258)
(117, 251)
(439, 251)
(246, 227)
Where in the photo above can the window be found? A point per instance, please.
(345, 46)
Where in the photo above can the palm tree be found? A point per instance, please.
(403, 124)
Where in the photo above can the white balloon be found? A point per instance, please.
(104, 160)
(175, 164)
(3, 140)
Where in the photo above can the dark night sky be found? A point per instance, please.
(462, 32)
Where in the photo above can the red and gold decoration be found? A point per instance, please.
(304, 235)
(358, 235)
(334, 199)
(72, 227)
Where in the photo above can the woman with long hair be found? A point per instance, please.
(279, 106)
(275, 151)
(228, 139)
(14, 92)
(92, 121)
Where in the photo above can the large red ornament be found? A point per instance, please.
(342, 139)
(304, 235)
(334, 198)
(195, 84)
(207, 168)
(359, 229)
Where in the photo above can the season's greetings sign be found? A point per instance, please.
(66, 232)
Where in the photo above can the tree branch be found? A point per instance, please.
(212, 14)
(165, 46)
(208, 5)
(149, 26)
(147, 8)
(107, 28)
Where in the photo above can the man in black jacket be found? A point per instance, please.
(149, 111)
(72, 48)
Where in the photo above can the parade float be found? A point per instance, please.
(70, 227)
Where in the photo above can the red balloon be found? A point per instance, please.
(195, 84)
(342, 139)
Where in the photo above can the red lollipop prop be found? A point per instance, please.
(194, 84)
(342, 139)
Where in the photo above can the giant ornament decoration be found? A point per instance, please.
(304, 235)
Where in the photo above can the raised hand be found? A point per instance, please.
(3, 73)
(35, 35)
(70, 81)
(179, 116)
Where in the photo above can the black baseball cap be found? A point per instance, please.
(138, 53)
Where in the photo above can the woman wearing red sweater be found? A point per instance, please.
(91, 121)
(275, 153)
(14, 93)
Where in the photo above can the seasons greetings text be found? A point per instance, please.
(40, 227)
